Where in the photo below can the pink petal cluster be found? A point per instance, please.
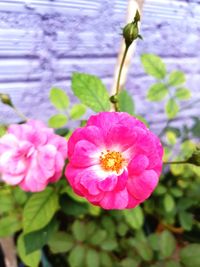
(31, 156)
(114, 161)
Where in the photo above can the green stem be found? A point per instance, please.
(20, 114)
(176, 162)
(119, 76)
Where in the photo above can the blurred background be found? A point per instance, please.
(43, 41)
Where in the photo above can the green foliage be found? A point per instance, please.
(126, 103)
(57, 121)
(167, 244)
(157, 92)
(135, 217)
(37, 239)
(61, 242)
(167, 87)
(154, 66)
(9, 225)
(77, 256)
(171, 108)
(190, 255)
(2, 130)
(68, 231)
(92, 258)
(32, 259)
(183, 93)
(176, 78)
(169, 203)
(39, 210)
(91, 91)
(77, 111)
(59, 98)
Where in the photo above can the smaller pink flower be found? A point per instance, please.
(114, 161)
(32, 156)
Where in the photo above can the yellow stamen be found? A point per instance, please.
(112, 161)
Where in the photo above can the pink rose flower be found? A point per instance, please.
(32, 156)
(114, 161)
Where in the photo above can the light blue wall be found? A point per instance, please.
(42, 42)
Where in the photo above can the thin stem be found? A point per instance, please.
(120, 70)
(119, 75)
(176, 162)
(20, 114)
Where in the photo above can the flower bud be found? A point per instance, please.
(131, 30)
(195, 158)
(114, 99)
(5, 99)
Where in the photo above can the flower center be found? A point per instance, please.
(112, 161)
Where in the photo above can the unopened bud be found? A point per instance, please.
(114, 99)
(5, 99)
(195, 158)
(131, 30)
(137, 16)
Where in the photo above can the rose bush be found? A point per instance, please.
(113, 161)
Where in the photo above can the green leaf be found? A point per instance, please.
(37, 239)
(92, 258)
(109, 244)
(30, 260)
(190, 255)
(122, 229)
(71, 207)
(129, 262)
(19, 195)
(9, 225)
(59, 98)
(2, 130)
(160, 190)
(77, 256)
(171, 137)
(157, 92)
(172, 263)
(61, 242)
(105, 259)
(134, 217)
(176, 78)
(6, 201)
(77, 111)
(168, 202)
(98, 237)
(186, 220)
(154, 241)
(57, 121)
(167, 244)
(126, 103)
(79, 230)
(109, 225)
(171, 108)
(176, 192)
(183, 94)
(39, 210)
(154, 65)
(144, 250)
(91, 91)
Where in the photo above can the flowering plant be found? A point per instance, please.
(61, 191)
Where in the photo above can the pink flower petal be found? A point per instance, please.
(115, 200)
(84, 154)
(138, 164)
(141, 186)
(91, 134)
(108, 184)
